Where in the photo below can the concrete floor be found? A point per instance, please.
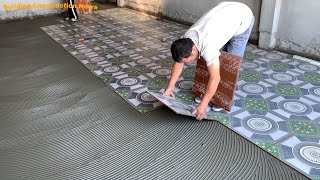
(59, 121)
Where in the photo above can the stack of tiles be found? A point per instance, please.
(229, 72)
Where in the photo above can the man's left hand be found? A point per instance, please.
(200, 111)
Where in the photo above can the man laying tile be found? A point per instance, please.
(226, 27)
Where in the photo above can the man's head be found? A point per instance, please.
(183, 50)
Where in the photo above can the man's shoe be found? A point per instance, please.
(197, 100)
(216, 108)
(74, 20)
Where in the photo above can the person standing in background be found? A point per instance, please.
(72, 11)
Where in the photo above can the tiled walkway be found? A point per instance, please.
(277, 99)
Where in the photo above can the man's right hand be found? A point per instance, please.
(168, 92)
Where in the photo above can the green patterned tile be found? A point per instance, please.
(250, 76)
(157, 83)
(133, 46)
(188, 73)
(150, 53)
(249, 56)
(166, 62)
(136, 70)
(137, 45)
(304, 128)
(278, 66)
(221, 118)
(105, 78)
(120, 60)
(270, 147)
(288, 90)
(312, 77)
(125, 38)
(185, 97)
(91, 67)
(123, 94)
(256, 104)
(110, 50)
(143, 110)
(111, 33)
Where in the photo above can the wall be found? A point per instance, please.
(188, 11)
(19, 13)
(299, 28)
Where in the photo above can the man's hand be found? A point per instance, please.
(200, 111)
(168, 92)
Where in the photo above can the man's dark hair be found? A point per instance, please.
(181, 48)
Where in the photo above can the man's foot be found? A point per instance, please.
(72, 19)
(213, 107)
(216, 108)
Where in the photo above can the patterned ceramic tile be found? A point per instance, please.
(266, 127)
(298, 108)
(276, 105)
(302, 153)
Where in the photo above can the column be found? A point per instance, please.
(269, 20)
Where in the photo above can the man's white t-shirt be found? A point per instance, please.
(215, 28)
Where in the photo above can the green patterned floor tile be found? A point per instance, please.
(143, 110)
(304, 128)
(123, 94)
(269, 147)
(166, 62)
(110, 50)
(288, 90)
(138, 45)
(150, 53)
(250, 76)
(278, 66)
(188, 73)
(221, 118)
(136, 70)
(133, 46)
(157, 83)
(185, 97)
(120, 60)
(249, 56)
(256, 104)
(91, 67)
(105, 78)
(312, 77)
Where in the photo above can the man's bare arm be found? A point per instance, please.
(214, 72)
(214, 79)
(175, 73)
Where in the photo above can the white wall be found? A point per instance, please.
(292, 26)
(190, 10)
(6, 15)
(299, 27)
